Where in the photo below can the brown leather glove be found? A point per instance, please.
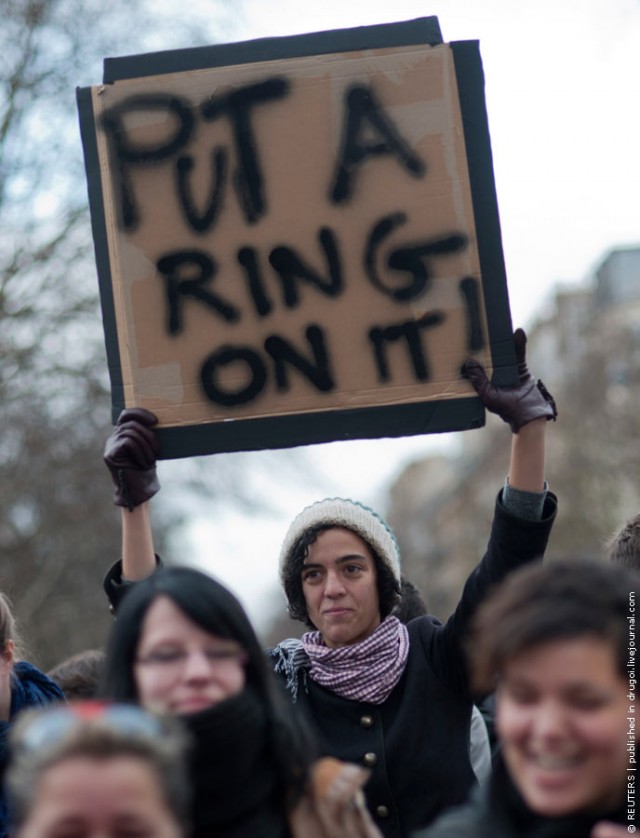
(130, 455)
(518, 405)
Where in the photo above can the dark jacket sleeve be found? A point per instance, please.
(458, 822)
(514, 543)
(115, 586)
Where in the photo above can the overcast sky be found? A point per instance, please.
(563, 99)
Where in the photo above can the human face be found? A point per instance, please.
(339, 583)
(180, 667)
(100, 797)
(562, 718)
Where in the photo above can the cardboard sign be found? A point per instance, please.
(297, 239)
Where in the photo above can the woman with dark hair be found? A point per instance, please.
(183, 645)
(554, 643)
(375, 692)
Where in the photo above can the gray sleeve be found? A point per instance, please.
(527, 505)
(479, 747)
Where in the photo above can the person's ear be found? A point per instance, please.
(7, 655)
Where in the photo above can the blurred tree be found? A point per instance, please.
(58, 529)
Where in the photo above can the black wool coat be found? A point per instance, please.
(500, 812)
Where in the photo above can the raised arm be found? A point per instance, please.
(526, 469)
(138, 557)
(524, 510)
(130, 455)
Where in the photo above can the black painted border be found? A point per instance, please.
(101, 246)
(470, 78)
(330, 426)
(424, 30)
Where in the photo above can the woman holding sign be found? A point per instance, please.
(391, 697)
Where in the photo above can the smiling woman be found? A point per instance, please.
(562, 719)
(555, 640)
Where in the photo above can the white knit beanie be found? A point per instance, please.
(354, 516)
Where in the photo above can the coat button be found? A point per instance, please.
(382, 811)
(370, 759)
(366, 721)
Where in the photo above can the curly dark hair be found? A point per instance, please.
(388, 586)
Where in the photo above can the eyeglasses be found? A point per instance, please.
(177, 658)
(46, 727)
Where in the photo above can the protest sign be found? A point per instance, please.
(297, 239)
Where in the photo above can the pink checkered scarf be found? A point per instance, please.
(365, 671)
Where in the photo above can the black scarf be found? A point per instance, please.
(234, 783)
(512, 816)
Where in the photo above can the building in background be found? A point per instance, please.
(586, 348)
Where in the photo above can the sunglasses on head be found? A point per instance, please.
(50, 726)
